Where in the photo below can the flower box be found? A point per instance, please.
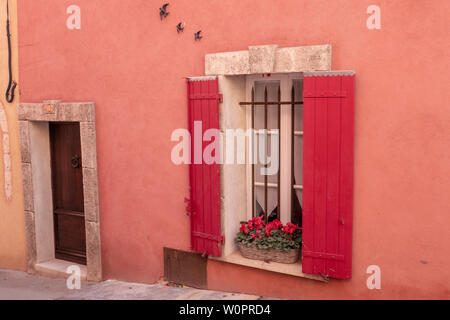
(269, 241)
(281, 256)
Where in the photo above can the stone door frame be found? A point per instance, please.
(36, 176)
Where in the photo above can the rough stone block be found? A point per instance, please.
(30, 239)
(301, 59)
(227, 63)
(24, 137)
(93, 251)
(90, 191)
(27, 182)
(262, 58)
(75, 112)
(88, 145)
(34, 112)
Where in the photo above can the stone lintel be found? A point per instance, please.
(269, 59)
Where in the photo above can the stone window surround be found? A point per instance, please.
(36, 176)
(232, 68)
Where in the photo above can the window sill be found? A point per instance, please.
(294, 269)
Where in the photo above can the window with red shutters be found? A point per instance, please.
(328, 173)
(316, 167)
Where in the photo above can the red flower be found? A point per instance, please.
(244, 228)
(290, 228)
(276, 224)
(257, 222)
(268, 228)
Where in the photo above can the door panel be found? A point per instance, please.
(67, 185)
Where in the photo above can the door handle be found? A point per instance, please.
(76, 161)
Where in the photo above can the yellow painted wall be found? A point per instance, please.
(12, 226)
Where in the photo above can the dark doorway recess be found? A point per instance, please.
(67, 188)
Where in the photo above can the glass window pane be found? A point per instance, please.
(297, 149)
(298, 111)
(296, 214)
(298, 160)
(271, 189)
(259, 201)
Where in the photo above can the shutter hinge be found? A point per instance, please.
(189, 209)
(222, 239)
(207, 96)
(324, 276)
(325, 94)
(208, 236)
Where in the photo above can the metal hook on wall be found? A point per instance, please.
(9, 95)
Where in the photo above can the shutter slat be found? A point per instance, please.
(328, 174)
(309, 137)
(320, 175)
(203, 102)
(333, 164)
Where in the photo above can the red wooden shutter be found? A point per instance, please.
(328, 173)
(203, 104)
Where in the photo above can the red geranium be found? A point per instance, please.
(244, 228)
(273, 234)
(289, 228)
(274, 225)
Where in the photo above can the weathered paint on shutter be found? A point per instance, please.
(203, 104)
(328, 173)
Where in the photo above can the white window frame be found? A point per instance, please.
(286, 81)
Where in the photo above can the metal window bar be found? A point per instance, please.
(279, 154)
(269, 132)
(293, 135)
(269, 103)
(292, 146)
(266, 205)
(262, 184)
(253, 153)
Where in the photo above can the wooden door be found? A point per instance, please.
(67, 185)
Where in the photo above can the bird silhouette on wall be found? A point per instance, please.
(163, 13)
(197, 35)
(180, 27)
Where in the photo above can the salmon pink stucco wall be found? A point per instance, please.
(132, 65)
